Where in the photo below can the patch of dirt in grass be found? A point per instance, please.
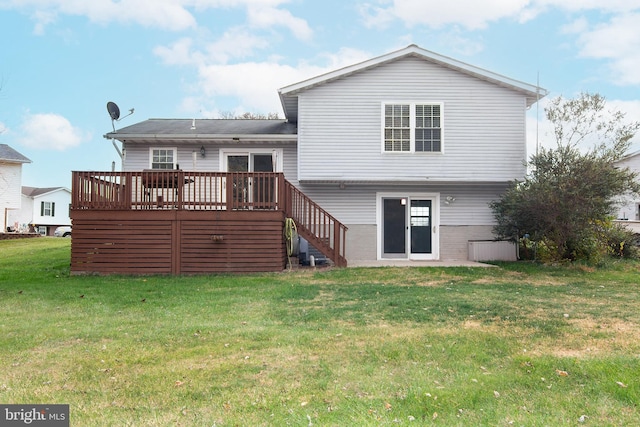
(591, 337)
(435, 282)
(496, 327)
(520, 279)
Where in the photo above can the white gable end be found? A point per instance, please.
(340, 126)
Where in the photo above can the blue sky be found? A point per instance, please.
(61, 61)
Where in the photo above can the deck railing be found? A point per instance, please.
(176, 189)
(316, 225)
(186, 190)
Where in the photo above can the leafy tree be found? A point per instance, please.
(566, 201)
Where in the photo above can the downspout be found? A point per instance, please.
(120, 152)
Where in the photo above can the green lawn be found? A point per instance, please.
(515, 345)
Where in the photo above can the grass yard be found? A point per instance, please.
(520, 345)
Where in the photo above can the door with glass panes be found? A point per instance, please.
(252, 190)
(408, 228)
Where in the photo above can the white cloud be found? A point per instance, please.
(253, 94)
(173, 15)
(612, 6)
(267, 17)
(42, 18)
(51, 132)
(619, 42)
(460, 43)
(178, 53)
(577, 26)
(253, 85)
(436, 14)
(474, 14)
(235, 43)
(166, 14)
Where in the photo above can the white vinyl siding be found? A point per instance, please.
(356, 204)
(51, 208)
(340, 131)
(10, 189)
(137, 157)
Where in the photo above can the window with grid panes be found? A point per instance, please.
(412, 127)
(162, 158)
(428, 131)
(397, 127)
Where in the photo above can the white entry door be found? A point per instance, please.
(408, 226)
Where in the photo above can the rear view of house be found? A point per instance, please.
(405, 151)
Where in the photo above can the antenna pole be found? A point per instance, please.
(537, 111)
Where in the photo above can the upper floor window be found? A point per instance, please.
(47, 209)
(413, 127)
(163, 158)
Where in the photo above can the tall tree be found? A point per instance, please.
(567, 199)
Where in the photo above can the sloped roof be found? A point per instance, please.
(36, 191)
(8, 154)
(629, 156)
(289, 94)
(204, 129)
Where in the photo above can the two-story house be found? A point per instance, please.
(10, 183)
(42, 210)
(405, 151)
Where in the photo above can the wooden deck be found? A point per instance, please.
(176, 222)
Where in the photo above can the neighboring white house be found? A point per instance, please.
(629, 210)
(43, 209)
(10, 182)
(406, 149)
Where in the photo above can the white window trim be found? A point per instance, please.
(175, 155)
(412, 122)
(435, 223)
(277, 152)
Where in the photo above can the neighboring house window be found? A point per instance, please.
(47, 209)
(42, 230)
(163, 158)
(413, 127)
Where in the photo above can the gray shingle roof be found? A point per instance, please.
(204, 127)
(37, 191)
(8, 154)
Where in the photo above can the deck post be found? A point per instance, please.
(336, 242)
(283, 201)
(175, 247)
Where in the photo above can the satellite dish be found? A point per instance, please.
(114, 113)
(113, 110)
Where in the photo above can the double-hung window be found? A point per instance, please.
(163, 158)
(47, 209)
(412, 127)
